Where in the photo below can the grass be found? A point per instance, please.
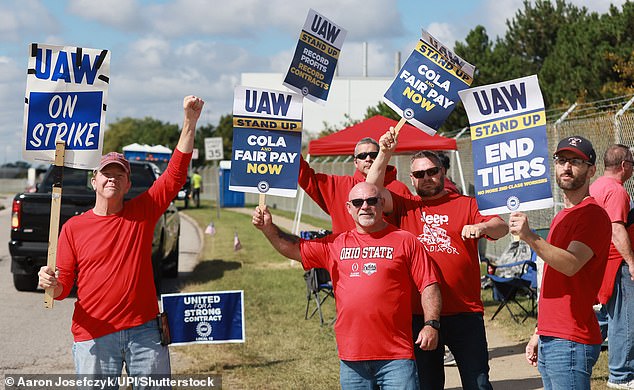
(282, 349)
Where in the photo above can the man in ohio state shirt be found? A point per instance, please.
(372, 268)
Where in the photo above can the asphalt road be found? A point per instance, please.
(34, 340)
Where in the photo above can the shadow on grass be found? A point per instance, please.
(208, 270)
(269, 363)
(507, 350)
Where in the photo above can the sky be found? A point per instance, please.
(163, 50)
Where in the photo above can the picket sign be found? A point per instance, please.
(56, 203)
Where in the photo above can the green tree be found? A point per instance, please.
(149, 131)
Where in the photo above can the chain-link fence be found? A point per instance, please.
(601, 128)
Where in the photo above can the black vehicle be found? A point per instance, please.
(30, 222)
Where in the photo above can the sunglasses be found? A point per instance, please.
(364, 155)
(429, 172)
(359, 202)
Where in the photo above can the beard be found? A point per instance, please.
(577, 181)
(424, 190)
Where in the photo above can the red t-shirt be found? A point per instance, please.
(438, 224)
(111, 257)
(610, 194)
(565, 302)
(330, 192)
(372, 277)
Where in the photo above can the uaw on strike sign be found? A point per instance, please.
(267, 141)
(313, 66)
(66, 97)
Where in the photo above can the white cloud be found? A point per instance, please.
(25, 17)
(124, 14)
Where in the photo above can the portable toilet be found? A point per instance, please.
(228, 198)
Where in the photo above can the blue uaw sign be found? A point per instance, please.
(267, 141)
(313, 66)
(66, 98)
(426, 88)
(509, 146)
(207, 317)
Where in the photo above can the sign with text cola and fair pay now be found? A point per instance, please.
(509, 146)
(267, 141)
(426, 88)
(66, 99)
(313, 65)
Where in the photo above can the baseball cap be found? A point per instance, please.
(114, 158)
(578, 145)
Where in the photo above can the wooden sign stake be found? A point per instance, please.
(56, 203)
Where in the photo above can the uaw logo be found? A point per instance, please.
(203, 329)
(369, 268)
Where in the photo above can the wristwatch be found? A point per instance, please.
(433, 323)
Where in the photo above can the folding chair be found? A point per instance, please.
(318, 282)
(514, 279)
(318, 289)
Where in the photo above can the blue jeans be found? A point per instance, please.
(465, 336)
(617, 315)
(565, 364)
(384, 374)
(139, 347)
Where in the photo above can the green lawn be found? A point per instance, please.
(282, 349)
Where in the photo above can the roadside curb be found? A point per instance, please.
(199, 232)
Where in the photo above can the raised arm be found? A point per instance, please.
(565, 260)
(192, 107)
(376, 174)
(286, 244)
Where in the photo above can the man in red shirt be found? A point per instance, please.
(107, 253)
(330, 191)
(575, 254)
(449, 226)
(372, 267)
(617, 311)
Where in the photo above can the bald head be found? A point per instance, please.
(365, 205)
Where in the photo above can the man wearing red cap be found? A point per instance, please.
(617, 311)
(575, 253)
(107, 253)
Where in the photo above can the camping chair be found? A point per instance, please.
(318, 283)
(513, 279)
(318, 289)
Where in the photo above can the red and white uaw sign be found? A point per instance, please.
(66, 99)
(313, 66)
(426, 88)
(510, 146)
(267, 141)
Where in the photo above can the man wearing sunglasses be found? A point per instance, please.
(330, 191)
(567, 340)
(449, 226)
(616, 310)
(372, 267)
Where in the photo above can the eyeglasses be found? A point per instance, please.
(429, 172)
(575, 162)
(629, 161)
(364, 155)
(359, 202)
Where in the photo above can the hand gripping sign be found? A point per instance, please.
(267, 140)
(426, 88)
(313, 66)
(510, 146)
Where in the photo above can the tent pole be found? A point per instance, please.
(299, 207)
(462, 182)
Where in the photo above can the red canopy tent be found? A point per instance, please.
(410, 138)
